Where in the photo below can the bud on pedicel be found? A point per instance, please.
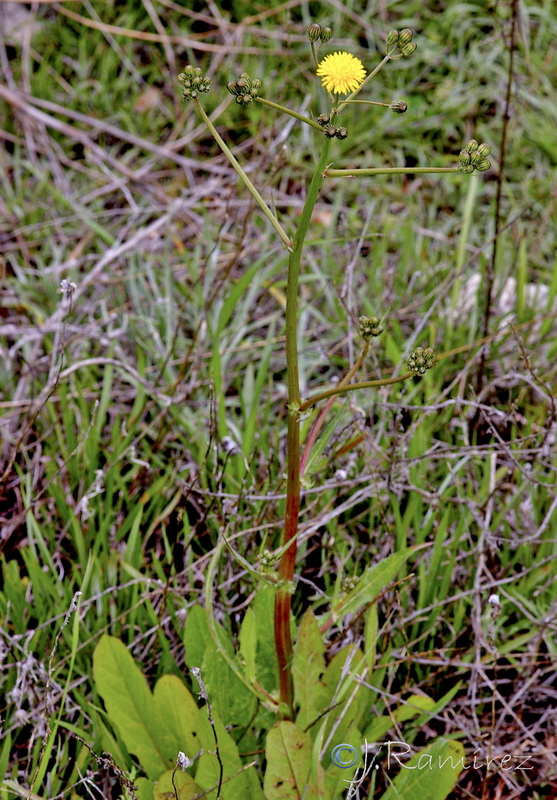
(420, 360)
(313, 32)
(325, 35)
(408, 49)
(244, 88)
(369, 327)
(398, 106)
(484, 150)
(193, 81)
(392, 38)
(404, 37)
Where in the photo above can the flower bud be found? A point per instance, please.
(472, 146)
(314, 32)
(464, 158)
(392, 38)
(193, 81)
(421, 360)
(323, 119)
(404, 37)
(483, 166)
(244, 82)
(330, 131)
(326, 34)
(469, 169)
(484, 150)
(398, 106)
(341, 133)
(408, 49)
(370, 326)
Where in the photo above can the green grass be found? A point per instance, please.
(113, 406)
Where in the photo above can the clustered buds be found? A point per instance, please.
(330, 131)
(421, 360)
(194, 82)
(401, 40)
(245, 89)
(349, 584)
(266, 561)
(369, 327)
(474, 156)
(316, 33)
(398, 106)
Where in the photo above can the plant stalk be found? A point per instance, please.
(283, 638)
(244, 178)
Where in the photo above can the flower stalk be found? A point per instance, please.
(244, 178)
(283, 638)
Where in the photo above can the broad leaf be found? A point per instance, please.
(308, 668)
(431, 773)
(185, 785)
(288, 774)
(130, 705)
(236, 785)
(177, 708)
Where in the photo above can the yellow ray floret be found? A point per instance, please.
(341, 73)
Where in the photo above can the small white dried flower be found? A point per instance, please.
(494, 600)
(182, 762)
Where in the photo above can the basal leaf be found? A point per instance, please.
(413, 706)
(236, 784)
(129, 704)
(431, 773)
(308, 668)
(178, 712)
(248, 644)
(185, 785)
(288, 754)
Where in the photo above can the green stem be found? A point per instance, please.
(244, 178)
(283, 639)
(311, 401)
(358, 173)
(289, 111)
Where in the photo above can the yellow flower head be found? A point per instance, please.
(341, 73)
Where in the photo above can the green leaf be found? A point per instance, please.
(263, 608)
(208, 770)
(248, 644)
(145, 789)
(430, 774)
(314, 460)
(342, 686)
(186, 786)
(308, 668)
(196, 636)
(372, 583)
(175, 705)
(129, 704)
(288, 774)
(413, 706)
